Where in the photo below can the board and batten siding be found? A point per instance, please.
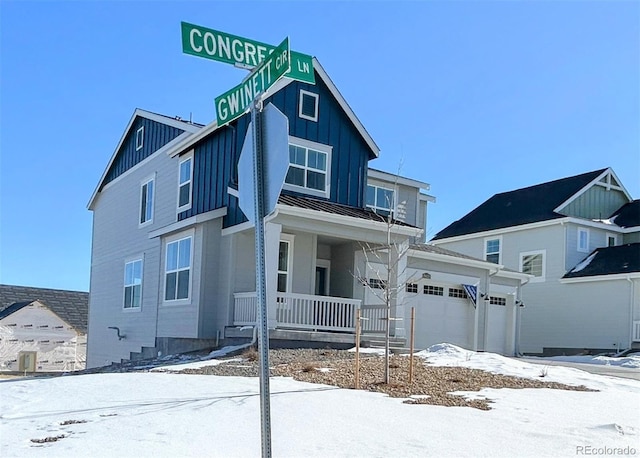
(156, 135)
(596, 203)
(216, 157)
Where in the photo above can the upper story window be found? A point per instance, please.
(533, 263)
(583, 240)
(308, 105)
(178, 269)
(133, 284)
(309, 165)
(379, 198)
(492, 249)
(139, 138)
(146, 201)
(185, 177)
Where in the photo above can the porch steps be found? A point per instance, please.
(396, 344)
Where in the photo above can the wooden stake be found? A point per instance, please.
(413, 317)
(357, 371)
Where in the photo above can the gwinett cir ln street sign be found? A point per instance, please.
(233, 103)
(232, 49)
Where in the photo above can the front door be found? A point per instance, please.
(322, 278)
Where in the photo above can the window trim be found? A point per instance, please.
(288, 239)
(578, 247)
(146, 181)
(436, 290)
(376, 207)
(412, 288)
(543, 275)
(128, 261)
(321, 147)
(300, 104)
(184, 158)
(139, 138)
(174, 239)
(488, 239)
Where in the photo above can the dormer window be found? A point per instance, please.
(185, 176)
(379, 198)
(583, 240)
(308, 105)
(139, 138)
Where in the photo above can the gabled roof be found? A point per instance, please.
(322, 74)
(522, 206)
(628, 215)
(622, 259)
(70, 306)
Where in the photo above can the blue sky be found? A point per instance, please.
(474, 98)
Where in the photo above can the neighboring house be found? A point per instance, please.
(580, 239)
(42, 330)
(173, 257)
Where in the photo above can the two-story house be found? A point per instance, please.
(579, 238)
(173, 256)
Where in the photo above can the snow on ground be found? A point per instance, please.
(174, 415)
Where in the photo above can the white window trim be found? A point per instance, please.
(579, 248)
(167, 241)
(610, 235)
(484, 248)
(287, 238)
(542, 277)
(147, 180)
(124, 285)
(376, 207)
(327, 149)
(304, 116)
(183, 159)
(139, 138)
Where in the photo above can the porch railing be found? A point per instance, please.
(375, 318)
(636, 331)
(301, 311)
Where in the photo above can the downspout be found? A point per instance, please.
(518, 305)
(487, 302)
(631, 297)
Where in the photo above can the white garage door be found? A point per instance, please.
(497, 326)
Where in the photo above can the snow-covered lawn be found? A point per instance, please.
(174, 415)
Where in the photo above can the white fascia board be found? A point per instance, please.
(213, 126)
(391, 178)
(346, 220)
(455, 260)
(179, 225)
(345, 106)
(629, 276)
(501, 231)
(426, 198)
(188, 128)
(594, 182)
(597, 224)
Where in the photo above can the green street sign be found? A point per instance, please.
(233, 103)
(212, 44)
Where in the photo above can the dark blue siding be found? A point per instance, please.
(156, 135)
(216, 157)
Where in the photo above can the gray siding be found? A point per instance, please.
(596, 203)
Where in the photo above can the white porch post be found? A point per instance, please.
(271, 248)
(398, 282)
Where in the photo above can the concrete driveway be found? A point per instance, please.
(600, 369)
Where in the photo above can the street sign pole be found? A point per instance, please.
(261, 290)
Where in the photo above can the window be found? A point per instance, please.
(412, 287)
(532, 263)
(493, 300)
(379, 198)
(133, 284)
(492, 250)
(177, 270)
(185, 175)
(611, 240)
(433, 290)
(583, 240)
(457, 292)
(284, 266)
(376, 283)
(308, 105)
(146, 201)
(308, 168)
(139, 138)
